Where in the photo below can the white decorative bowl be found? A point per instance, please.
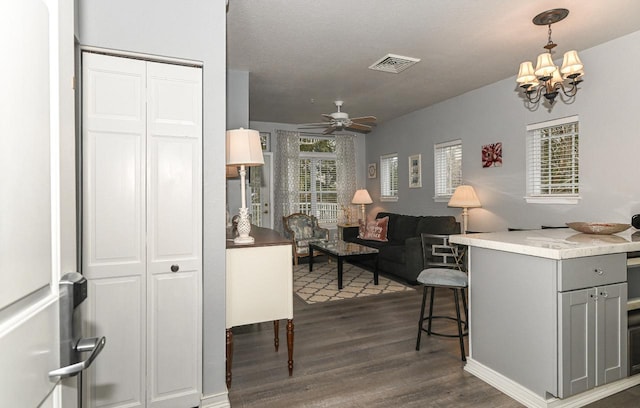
(599, 228)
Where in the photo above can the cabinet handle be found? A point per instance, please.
(599, 271)
(604, 294)
(175, 268)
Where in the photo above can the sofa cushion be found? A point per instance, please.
(443, 225)
(375, 230)
(401, 227)
(393, 253)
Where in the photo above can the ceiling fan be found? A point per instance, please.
(340, 120)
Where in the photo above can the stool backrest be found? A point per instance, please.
(438, 252)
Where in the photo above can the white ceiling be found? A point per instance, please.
(297, 51)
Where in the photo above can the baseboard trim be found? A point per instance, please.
(530, 399)
(216, 401)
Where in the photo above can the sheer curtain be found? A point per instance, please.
(286, 175)
(345, 169)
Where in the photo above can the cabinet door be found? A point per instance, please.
(576, 346)
(174, 220)
(611, 328)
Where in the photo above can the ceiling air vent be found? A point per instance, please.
(393, 63)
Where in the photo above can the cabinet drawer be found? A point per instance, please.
(591, 271)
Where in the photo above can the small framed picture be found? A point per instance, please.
(372, 171)
(415, 171)
(265, 141)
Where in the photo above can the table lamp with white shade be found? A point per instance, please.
(244, 149)
(362, 197)
(464, 197)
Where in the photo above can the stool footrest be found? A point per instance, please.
(463, 322)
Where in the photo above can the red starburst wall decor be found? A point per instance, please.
(492, 155)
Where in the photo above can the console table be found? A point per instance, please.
(259, 287)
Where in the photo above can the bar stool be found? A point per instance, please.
(444, 269)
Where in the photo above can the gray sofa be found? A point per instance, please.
(402, 254)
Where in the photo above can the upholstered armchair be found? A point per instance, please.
(302, 229)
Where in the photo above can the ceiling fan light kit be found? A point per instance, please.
(546, 79)
(340, 120)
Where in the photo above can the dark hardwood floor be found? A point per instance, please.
(361, 353)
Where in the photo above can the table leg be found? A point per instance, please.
(340, 273)
(290, 344)
(276, 334)
(229, 356)
(375, 271)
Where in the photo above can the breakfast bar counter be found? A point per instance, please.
(548, 314)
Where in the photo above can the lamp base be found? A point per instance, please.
(243, 240)
(244, 227)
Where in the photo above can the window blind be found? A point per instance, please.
(553, 159)
(317, 189)
(389, 177)
(447, 168)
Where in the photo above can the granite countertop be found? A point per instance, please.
(562, 243)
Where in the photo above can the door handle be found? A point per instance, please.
(94, 345)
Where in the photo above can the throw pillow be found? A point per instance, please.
(375, 230)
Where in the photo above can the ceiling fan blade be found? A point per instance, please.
(364, 119)
(327, 117)
(359, 126)
(329, 130)
(320, 124)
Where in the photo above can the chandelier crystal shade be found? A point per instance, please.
(547, 79)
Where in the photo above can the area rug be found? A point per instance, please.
(321, 285)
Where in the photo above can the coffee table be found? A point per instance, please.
(341, 251)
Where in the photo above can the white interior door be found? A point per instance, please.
(36, 108)
(142, 230)
(174, 235)
(114, 239)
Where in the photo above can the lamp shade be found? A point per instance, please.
(244, 148)
(232, 171)
(571, 63)
(526, 73)
(361, 197)
(545, 65)
(464, 197)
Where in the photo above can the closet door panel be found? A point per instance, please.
(174, 117)
(114, 129)
(174, 220)
(173, 350)
(113, 225)
(115, 311)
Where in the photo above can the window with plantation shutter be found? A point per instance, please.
(553, 162)
(389, 177)
(447, 159)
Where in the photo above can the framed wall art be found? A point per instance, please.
(372, 171)
(415, 171)
(492, 155)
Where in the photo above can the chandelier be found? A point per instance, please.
(547, 79)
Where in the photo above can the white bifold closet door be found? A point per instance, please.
(142, 234)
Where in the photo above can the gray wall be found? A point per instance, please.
(609, 112)
(237, 117)
(196, 30)
(237, 99)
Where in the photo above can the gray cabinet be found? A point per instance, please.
(555, 327)
(592, 342)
